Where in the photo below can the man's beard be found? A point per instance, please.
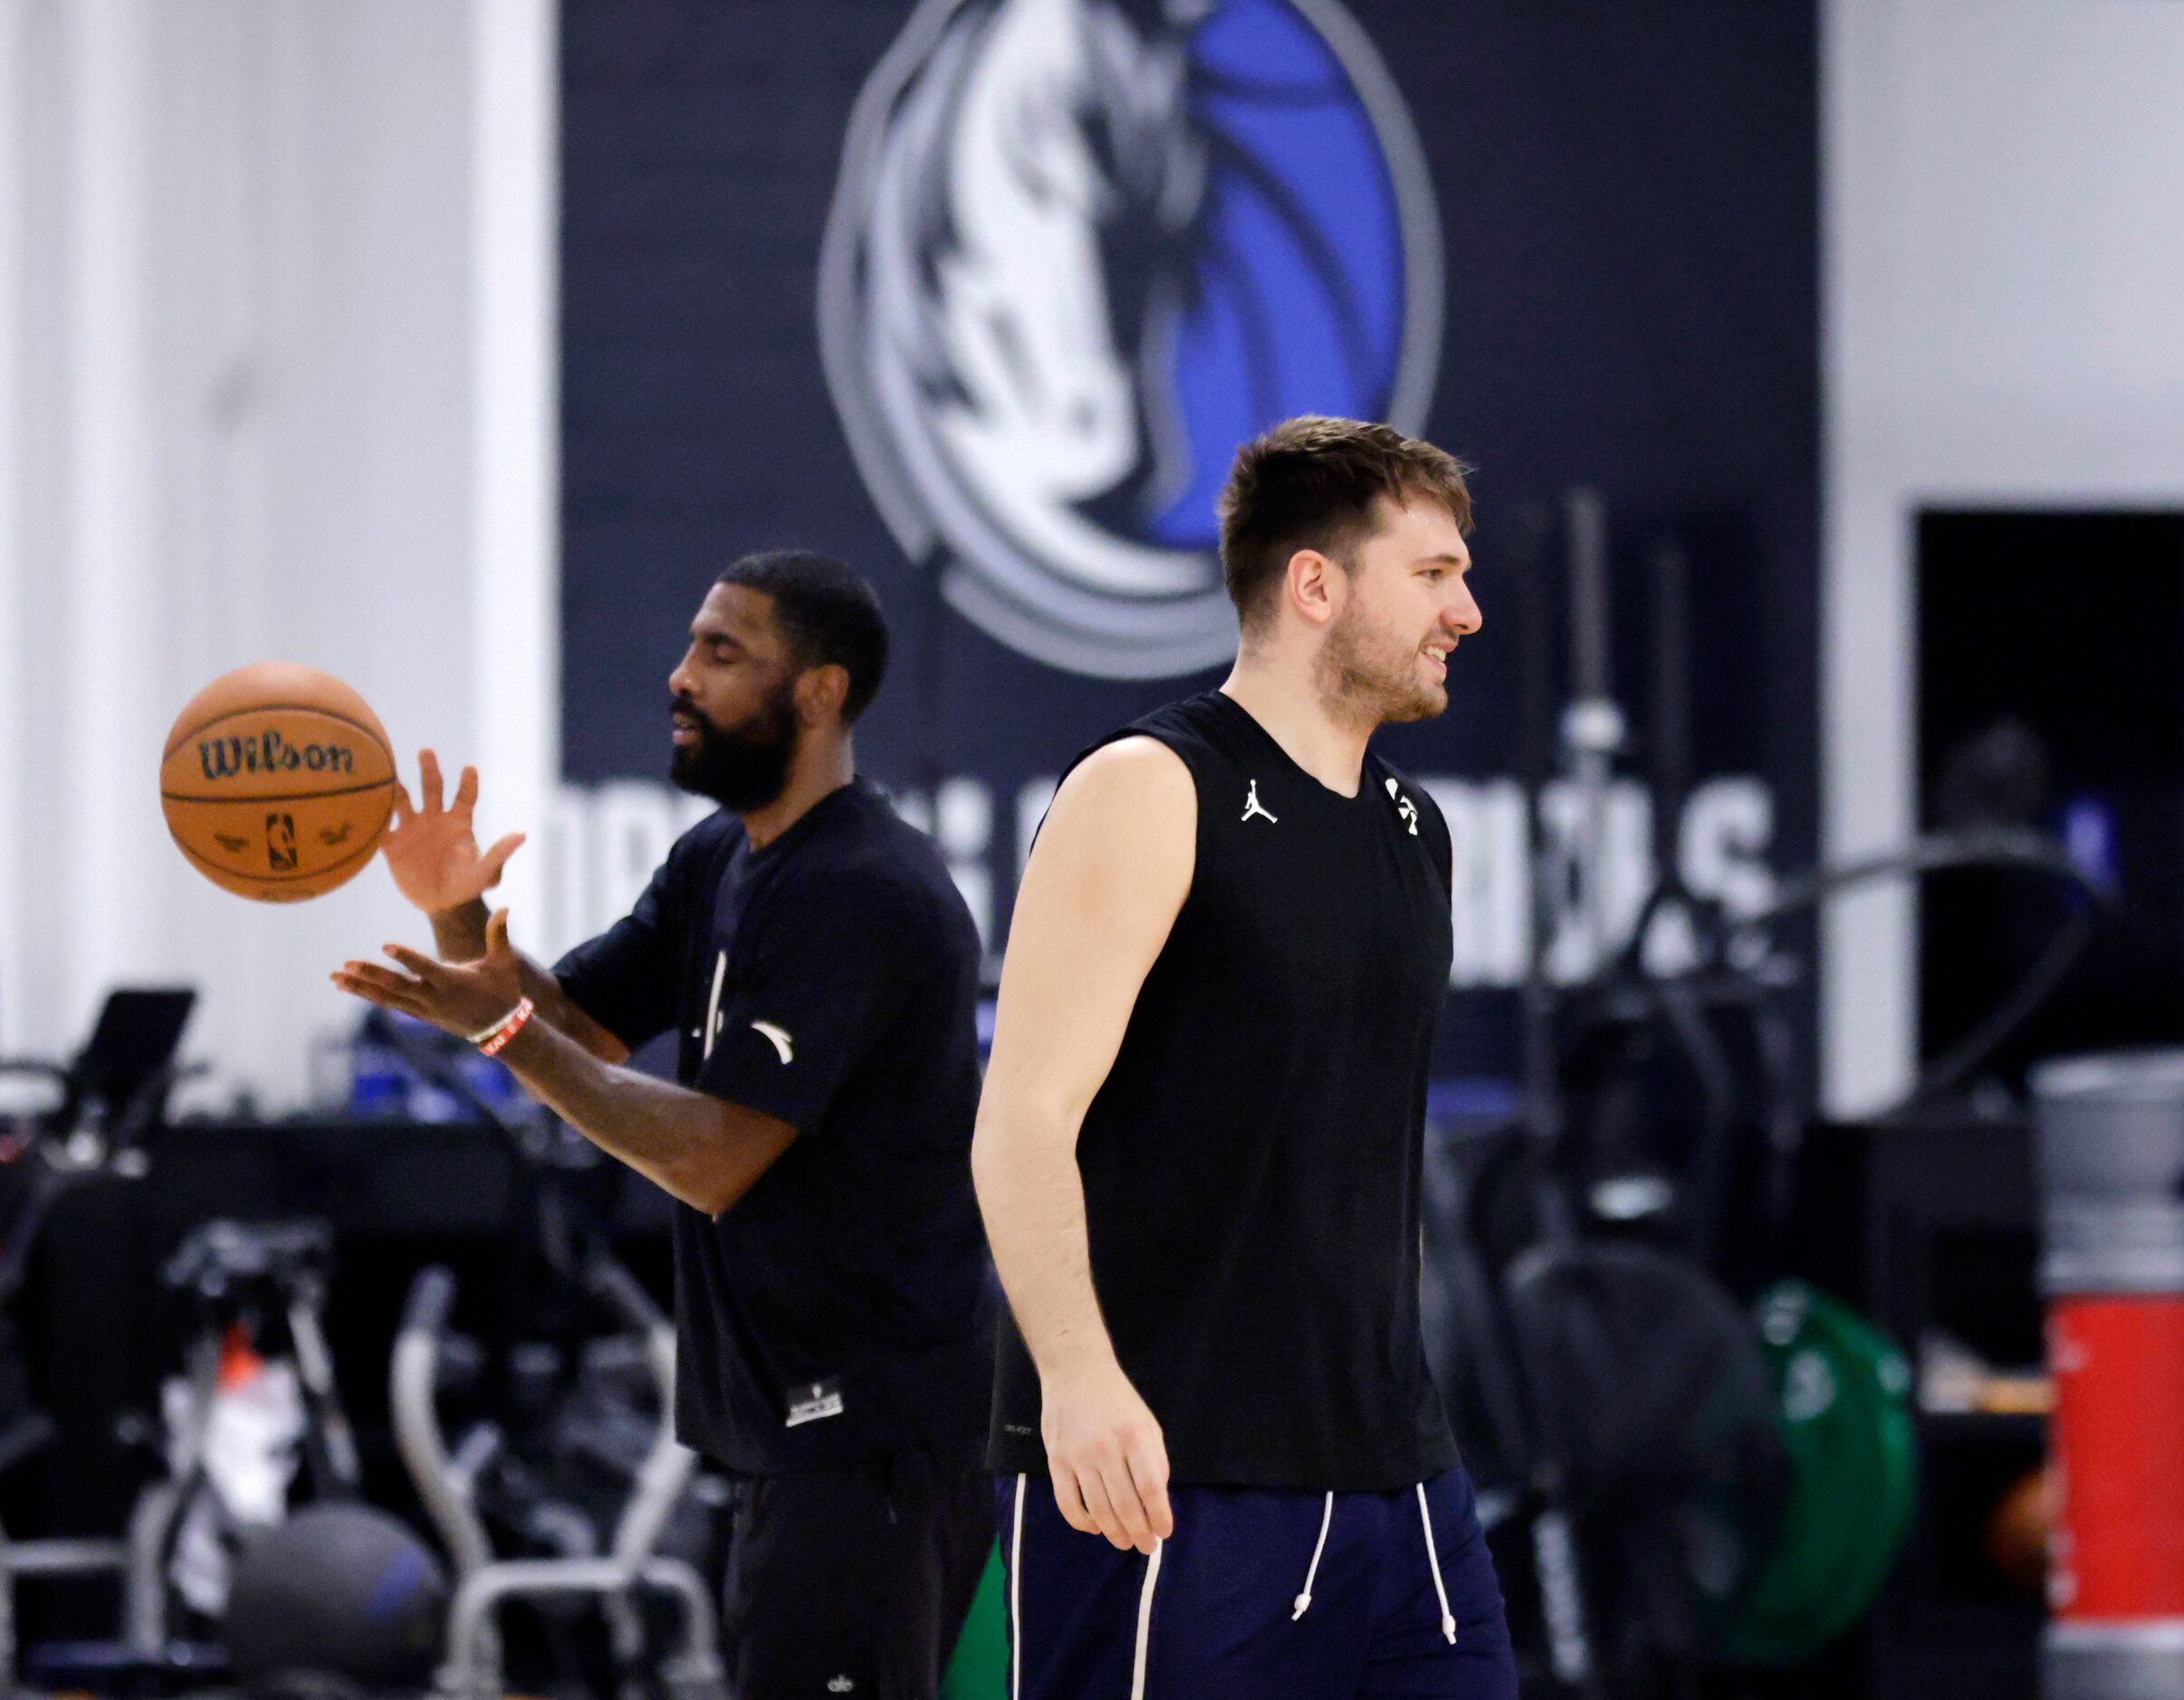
(1367, 679)
(741, 768)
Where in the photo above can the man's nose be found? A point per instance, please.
(1462, 613)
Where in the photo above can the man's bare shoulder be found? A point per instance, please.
(1137, 769)
(1128, 803)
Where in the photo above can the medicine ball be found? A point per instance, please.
(342, 1590)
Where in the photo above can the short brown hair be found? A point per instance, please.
(1311, 482)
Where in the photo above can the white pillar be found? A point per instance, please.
(112, 678)
(1868, 981)
(516, 621)
(15, 19)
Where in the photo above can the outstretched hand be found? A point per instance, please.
(459, 997)
(433, 853)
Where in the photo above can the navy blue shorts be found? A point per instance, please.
(1306, 1596)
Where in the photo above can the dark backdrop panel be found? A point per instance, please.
(2039, 633)
(1628, 207)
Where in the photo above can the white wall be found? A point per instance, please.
(2003, 234)
(244, 259)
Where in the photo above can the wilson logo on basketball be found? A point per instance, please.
(269, 753)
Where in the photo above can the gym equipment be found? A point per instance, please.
(256, 1400)
(1663, 1455)
(336, 1587)
(1843, 1392)
(1627, 1406)
(451, 1483)
(2111, 1146)
(1653, 1406)
(2017, 1532)
(104, 1104)
(574, 1488)
(252, 1288)
(2088, 906)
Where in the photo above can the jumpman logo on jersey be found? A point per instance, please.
(1252, 805)
(1405, 807)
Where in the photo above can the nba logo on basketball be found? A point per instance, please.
(281, 842)
(1082, 249)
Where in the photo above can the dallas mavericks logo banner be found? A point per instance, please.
(982, 296)
(1081, 249)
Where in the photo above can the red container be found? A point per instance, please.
(2117, 1543)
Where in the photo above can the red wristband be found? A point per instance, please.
(510, 1025)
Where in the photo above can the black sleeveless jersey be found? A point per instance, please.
(1251, 1163)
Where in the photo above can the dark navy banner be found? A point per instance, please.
(982, 294)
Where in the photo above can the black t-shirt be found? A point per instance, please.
(1252, 1162)
(842, 1307)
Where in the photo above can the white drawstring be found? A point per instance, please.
(1448, 1620)
(1016, 1597)
(1144, 1621)
(1304, 1600)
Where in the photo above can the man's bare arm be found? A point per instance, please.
(458, 935)
(1106, 881)
(700, 1148)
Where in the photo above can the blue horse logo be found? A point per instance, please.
(1082, 249)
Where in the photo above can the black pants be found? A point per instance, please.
(856, 1580)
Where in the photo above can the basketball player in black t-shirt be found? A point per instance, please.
(819, 973)
(1226, 1472)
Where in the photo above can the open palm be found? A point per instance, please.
(433, 851)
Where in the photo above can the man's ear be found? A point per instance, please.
(1308, 581)
(821, 692)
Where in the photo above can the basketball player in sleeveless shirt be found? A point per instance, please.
(1225, 1473)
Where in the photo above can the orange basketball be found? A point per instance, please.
(277, 781)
